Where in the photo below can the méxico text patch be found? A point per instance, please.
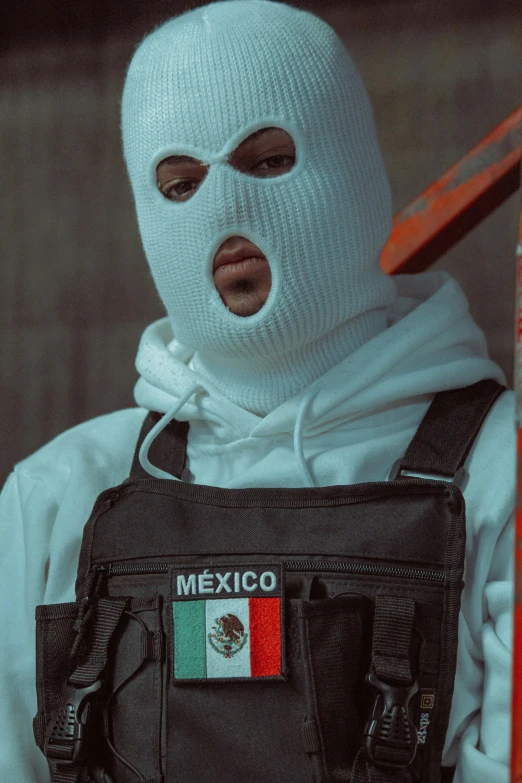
(227, 622)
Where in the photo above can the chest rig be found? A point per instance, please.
(263, 635)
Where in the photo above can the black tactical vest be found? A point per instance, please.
(263, 635)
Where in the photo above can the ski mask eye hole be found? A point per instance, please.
(269, 152)
(179, 176)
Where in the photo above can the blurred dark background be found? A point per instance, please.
(76, 292)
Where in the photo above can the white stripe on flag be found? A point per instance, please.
(238, 665)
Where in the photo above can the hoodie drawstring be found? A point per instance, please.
(167, 418)
(162, 423)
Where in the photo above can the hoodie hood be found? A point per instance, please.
(431, 344)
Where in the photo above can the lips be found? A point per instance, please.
(234, 250)
(230, 271)
(225, 258)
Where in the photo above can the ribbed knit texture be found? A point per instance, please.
(199, 85)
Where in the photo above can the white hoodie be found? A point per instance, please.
(348, 427)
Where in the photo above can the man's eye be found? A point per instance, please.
(176, 190)
(276, 162)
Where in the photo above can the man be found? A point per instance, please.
(263, 206)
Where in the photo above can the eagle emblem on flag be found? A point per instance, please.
(228, 635)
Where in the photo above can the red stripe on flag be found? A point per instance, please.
(265, 636)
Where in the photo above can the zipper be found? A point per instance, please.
(365, 568)
(424, 574)
(120, 569)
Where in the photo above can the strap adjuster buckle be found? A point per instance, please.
(399, 471)
(65, 732)
(390, 735)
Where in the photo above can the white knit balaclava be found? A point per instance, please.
(199, 85)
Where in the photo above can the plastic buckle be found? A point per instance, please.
(65, 733)
(390, 735)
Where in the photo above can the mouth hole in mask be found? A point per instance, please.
(242, 276)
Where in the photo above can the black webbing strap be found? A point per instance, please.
(66, 774)
(83, 775)
(168, 451)
(152, 646)
(71, 774)
(364, 771)
(392, 629)
(447, 432)
(380, 760)
(107, 614)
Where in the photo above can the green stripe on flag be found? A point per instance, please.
(189, 639)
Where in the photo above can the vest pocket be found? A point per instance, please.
(134, 710)
(335, 639)
(128, 716)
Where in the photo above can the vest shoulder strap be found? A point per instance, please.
(446, 434)
(168, 451)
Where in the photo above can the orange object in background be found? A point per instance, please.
(453, 205)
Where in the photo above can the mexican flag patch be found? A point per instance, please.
(227, 622)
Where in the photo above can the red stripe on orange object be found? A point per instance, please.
(265, 636)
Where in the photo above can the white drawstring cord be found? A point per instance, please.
(162, 423)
